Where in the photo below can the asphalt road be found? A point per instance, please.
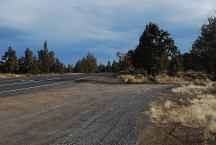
(14, 86)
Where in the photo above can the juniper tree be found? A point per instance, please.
(204, 48)
(154, 51)
(10, 61)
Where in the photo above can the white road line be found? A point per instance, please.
(12, 80)
(21, 89)
(32, 87)
(53, 79)
(30, 81)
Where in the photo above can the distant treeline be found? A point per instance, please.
(156, 53)
(45, 62)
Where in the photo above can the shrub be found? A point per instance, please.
(132, 79)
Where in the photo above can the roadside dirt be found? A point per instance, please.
(91, 112)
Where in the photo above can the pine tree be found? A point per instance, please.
(87, 64)
(154, 50)
(115, 67)
(91, 62)
(175, 62)
(203, 49)
(108, 68)
(46, 59)
(10, 61)
(27, 61)
(70, 68)
(58, 67)
(101, 68)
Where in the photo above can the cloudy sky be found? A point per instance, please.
(103, 27)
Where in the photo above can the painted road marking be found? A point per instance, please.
(30, 81)
(32, 87)
(40, 86)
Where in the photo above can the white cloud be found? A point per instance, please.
(78, 20)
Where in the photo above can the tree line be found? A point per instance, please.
(155, 53)
(45, 62)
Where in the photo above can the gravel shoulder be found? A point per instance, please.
(96, 112)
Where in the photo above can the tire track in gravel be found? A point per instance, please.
(114, 123)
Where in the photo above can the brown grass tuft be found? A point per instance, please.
(8, 75)
(199, 112)
(196, 87)
(199, 115)
(132, 79)
(165, 79)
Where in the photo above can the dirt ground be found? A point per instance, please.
(83, 113)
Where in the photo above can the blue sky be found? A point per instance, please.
(75, 27)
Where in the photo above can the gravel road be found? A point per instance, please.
(93, 112)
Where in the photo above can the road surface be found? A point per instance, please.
(14, 86)
(98, 111)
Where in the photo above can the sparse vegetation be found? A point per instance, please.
(8, 75)
(165, 79)
(132, 79)
(195, 108)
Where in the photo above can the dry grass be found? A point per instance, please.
(191, 90)
(160, 79)
(203, 82)
(196, 87)
(8, 75)
(199, 112)
(165, 79)
(132, 79)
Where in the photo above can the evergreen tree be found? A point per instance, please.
(35, 69)
(115, 67)
(1, 66)
(125, 60)
(147, 52)
(26, 62)
(203, 49)
(188, 62)
(108, 68)
(81, 66)
(91, 62)
(58, 67)
(154, 50)
(175, 62)
(87, 64)
(46, 59)
(10, 61)
(102, 68)
(70, 68)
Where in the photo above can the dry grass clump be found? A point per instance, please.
(196, 87)
(198, 112)
(203, 82)
(8, 75)
(165, 79)
(191, 90)
(191, 75)
(132, 79)
(201, 114)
